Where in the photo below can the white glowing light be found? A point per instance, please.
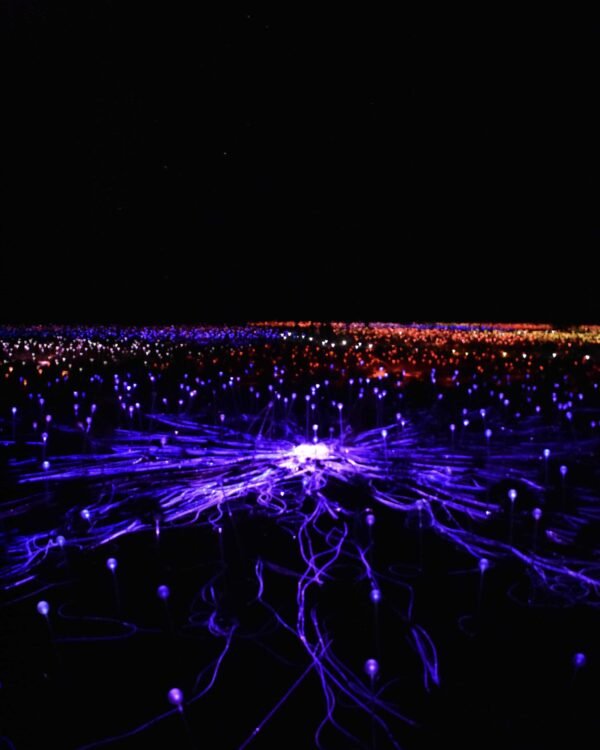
(311, 451)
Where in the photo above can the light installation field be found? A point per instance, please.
(363, 532)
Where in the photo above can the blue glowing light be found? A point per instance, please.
(163, 592)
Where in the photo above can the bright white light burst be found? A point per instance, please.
(311, 452)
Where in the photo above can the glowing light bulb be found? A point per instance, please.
(175, 697)
(372, 667)
(375, 596)
(163, 592)
(512, 495)
(579, 660)
(111, 564)
(43, 608)
(484, 564)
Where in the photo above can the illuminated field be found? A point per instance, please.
(340, 521)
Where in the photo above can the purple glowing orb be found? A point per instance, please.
(163, 592)
(175, 697)
(372, 667)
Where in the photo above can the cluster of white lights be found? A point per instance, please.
(311, 452)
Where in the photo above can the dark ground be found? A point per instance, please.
(510, 685)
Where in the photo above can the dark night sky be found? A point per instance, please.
(256, 152)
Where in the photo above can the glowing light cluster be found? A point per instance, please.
(311, 452)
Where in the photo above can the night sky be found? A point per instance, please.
(258, 154)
